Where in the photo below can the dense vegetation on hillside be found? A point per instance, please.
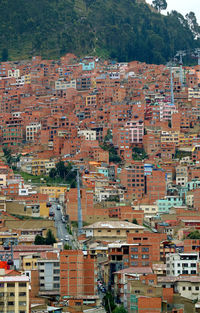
(122, 29)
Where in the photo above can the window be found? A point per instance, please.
(11, 302)
(22, 284)
(22, 294)
(183, 288)
(134, 256)
(196, 288)
(137, 291)
(22, 303)
(145, 249)
(145, 256)
(134, 263)
(190, 288)
(56, 264)
(134, 249)
(9, 285)
(56, 286)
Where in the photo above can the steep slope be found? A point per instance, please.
(121, 29)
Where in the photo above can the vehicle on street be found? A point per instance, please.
(66, 237)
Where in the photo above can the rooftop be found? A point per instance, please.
(114, 225)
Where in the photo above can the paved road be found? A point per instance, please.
(61, 227)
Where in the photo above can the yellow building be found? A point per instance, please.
(14, 296)
(6, 237)
(170, 137)
(186, 140)
(44, 210)
(112, 230)
(53, 192)
(29, 262)
(91, 100)
(38, 167)
(27, 79)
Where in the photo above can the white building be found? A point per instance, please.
(14, 73)
(88, 134)
(62, 84)
(181, 175)
(182, 263)
(187, 286)
(31, 130)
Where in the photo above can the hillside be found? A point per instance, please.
(122, 29)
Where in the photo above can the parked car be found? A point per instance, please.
(66, 237)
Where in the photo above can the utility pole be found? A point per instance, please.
(180, 54)
(171, 86)
(80, 221)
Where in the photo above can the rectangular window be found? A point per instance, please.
(145, 249)
(134, 256)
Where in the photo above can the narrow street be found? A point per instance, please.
(62, 232)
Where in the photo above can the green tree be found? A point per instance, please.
(8, 156)
(194, 235)
(50, 238)
(139, 154)
(120, 309)
(193, 24)
(67, 247)
(53, 173)
(113, 156)
(39, 240)
(108, 137)
(61, 169)
(109, 302)
(160, 4)
(4, 55)
(134, 221)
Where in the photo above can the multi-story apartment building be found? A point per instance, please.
(14, 296)
(132, 178)
(78, 274)
(31, 131)
(49, 275)
(12, 132)
(182, 263)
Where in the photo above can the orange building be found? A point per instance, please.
(156, 185)
(77, 274)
